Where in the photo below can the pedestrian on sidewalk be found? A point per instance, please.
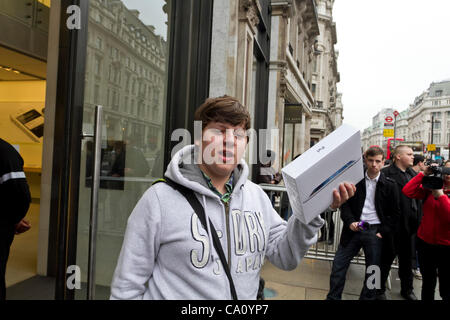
(368, 218)
(268, 174)
(327, 231)
(408, 222)
(433, 236)
(15, 200)
(205, 231)
(418, 166)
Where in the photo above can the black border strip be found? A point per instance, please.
(67, 148)
(189, 66)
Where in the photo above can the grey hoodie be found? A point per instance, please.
(167, 253)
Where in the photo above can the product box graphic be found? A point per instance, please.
(311, 178)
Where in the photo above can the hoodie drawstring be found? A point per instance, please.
(208, 228)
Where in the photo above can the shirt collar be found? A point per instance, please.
(376, 178)
(228, 184)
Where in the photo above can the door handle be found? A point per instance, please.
(96, 159)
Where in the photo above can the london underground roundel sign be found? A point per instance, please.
(388, 119)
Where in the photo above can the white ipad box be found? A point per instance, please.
(311, 178)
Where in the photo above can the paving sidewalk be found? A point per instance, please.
(310, 281)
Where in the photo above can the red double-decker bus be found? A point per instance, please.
(416, 146)
(390, 146)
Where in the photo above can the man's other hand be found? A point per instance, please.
(346, 191)
(22, 226)
(354, 227)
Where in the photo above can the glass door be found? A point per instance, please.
(126, 73)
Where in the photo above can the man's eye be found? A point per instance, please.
(215, 131)
(239, 134)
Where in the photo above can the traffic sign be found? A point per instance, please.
(388, 119)
(387, 133)
(431, 147)
(396, 113)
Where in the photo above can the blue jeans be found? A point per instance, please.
(371, 245)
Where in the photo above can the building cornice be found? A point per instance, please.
(249, 11)
(300, 83)
(281, 8)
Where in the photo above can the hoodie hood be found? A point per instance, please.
(183, 170)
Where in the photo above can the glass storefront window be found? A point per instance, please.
(126, 58)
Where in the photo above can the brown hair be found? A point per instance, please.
(223, 109)
(374, 151)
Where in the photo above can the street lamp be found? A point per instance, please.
(395, 127)
(432, 133)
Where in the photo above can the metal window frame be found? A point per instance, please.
(261, 51)
(189, 68)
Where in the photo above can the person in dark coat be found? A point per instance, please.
(267, 173)
(376, 202)
(15, 200)
(408, 223)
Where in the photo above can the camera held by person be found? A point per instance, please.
(434, 176)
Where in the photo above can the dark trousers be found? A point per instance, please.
(434, 262)
(6, 238)
(397, 245)
(371, 245)
(414, 260)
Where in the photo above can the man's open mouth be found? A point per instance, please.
(227, 156)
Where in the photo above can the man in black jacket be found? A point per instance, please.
(15, 200)
(368, 218)
(408, 223)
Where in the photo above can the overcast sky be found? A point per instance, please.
(389, 53)
(151, 13)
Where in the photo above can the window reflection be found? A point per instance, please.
(126, 73)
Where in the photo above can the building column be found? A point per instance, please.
(307, 135)
(224, 48)
(276, 97)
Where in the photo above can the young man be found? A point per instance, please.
(408, 223)
(376, 202)
(419, 163)
(15, 199)
(168, 253)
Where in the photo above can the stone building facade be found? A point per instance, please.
(327, 110)
(374, 134)
(430, 108)
(302, 101)
(303, 70)
(429, 113)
